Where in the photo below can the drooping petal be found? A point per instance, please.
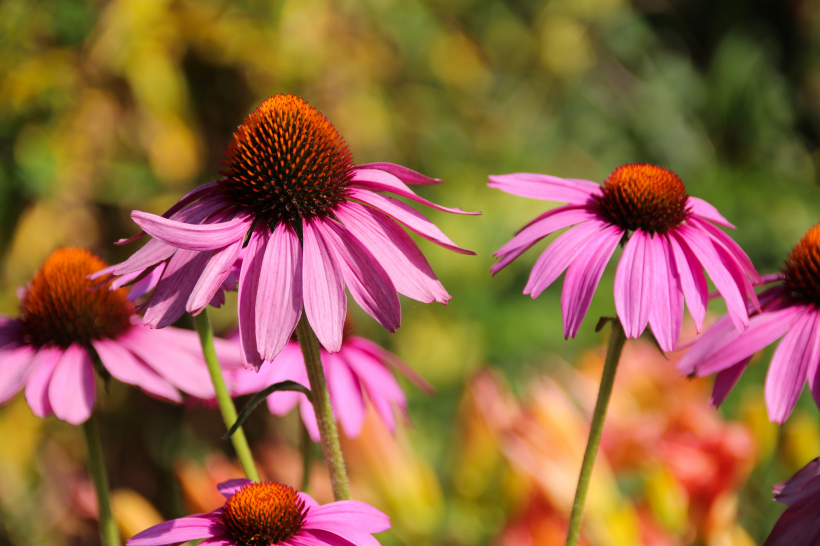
(212, 277)
(379, 355)
(802, 485)
(144, 285)
(408, 216)
(707, 211)
(557, 257)
(345, 394)
(368, 282)
(177, 531)
(248, 289)
(814, 360)
(666, 313)
(725, 381)
(279, 296)
(408, 176)
(583, 276)
(543, 186)
(309, 418)
(700, 349)
(230, 487)
(383, 181)
(635, 283)
(43, 364)
(556, 219)
(323, 287)
(692, 280)
(126, 367)
(15, 368)
(353, 513)
(193, 236)
(167, 303)
(799, 525)
(382, 388)
(395, 250)
(732, 247)
(72, 390)
(789, 368)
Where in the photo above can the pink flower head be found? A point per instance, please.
(799, 524)
(670, 238)
(790, 310)
(267, 513)
(64, 321)
(312, 223)
(359, 371)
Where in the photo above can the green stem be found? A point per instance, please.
(223, 398)
(617, 338)
(324, 412)
(96, 467)
(306, 446)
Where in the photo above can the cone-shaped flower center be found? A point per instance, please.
(61, 306)
(262, 514)
(646, 197)
(287, 161)
(803, 268)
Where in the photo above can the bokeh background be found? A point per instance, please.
(109, 106)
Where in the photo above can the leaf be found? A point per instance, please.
(261, 395)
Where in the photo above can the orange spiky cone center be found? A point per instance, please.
(802, 268)
(263, 514)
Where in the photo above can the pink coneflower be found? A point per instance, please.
(358, 372)
(267, 513)
(790, 310)
(670, 238)
(63, 321)
(313, 224)
(798, 525)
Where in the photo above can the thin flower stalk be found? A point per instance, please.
(96, 467)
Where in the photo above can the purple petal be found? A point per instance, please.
(126, 367)
(666, 313)
(725, 381)
(15, 368)
(408, 216)
(692, 280)
(789, 368)
(353, 513)
(43, 364)
(181, 275)
(193, 236)
(368, 282)
(383, 181)
(404, 174)
(395, 250)
(212, 277)
(177, 531)
(803, 485)
(230, 487)
(799, 525)
(557, 257)
(249, 277)
(732, 247)
(145, 285)
(346, 395)
(549, 188)
(72, 388)
(279, 304)
(583, 277)
(635, 283)
(323, 287)
(707, 211)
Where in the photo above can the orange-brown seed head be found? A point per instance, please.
(61, 306)
(643, 196)
(802, 268)
(286, 162)
(263, 514)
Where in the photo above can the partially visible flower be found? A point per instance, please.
(50, 350)
(790, 310)
(358, 372)
(267, 513)
(669, 239)
(312, 223)
(799, 524)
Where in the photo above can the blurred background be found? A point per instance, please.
(109, 106)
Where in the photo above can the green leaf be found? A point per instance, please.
(261, 395)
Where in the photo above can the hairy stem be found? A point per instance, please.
(96, 467)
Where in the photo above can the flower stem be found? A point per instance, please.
(617, 338)
(306, 445)
(223, 398)
(324, 412)
(96, 467)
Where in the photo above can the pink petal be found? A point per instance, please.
(177, 531)
(248, 289)
(309, 501)
(789, 368)
(732, 247)
(725, 381)
(368, 282)
(404, 174)
(309, 418)
(181, 275)
(42, 364)
(408, 216)
(145, 285)
(550, 222)
(707, 211)
(212, 277)
(666, 313)
(557, 257)
(383, 181)
(635, 283)
(381, 355)
(705, 345)
(395, 251)
(583, 277)
(230, 487)
(345, 394)
(814, 363)
(72, 389)
(279, 295)
(692, 280)
(125, 367)
(15, 368)
(323, 287)
(381, 387)
(353, 513)
(549, 188)
(193, 236)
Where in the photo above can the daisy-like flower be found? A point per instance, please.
(358, 372)
(790, 310)
(670, 239)
(267, 513)
(798, 525)
(49, 350)
(312, 223)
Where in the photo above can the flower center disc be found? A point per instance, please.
(61, 306)
(262, 514)
(643, 196)
(803, 268)
(287, 161)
